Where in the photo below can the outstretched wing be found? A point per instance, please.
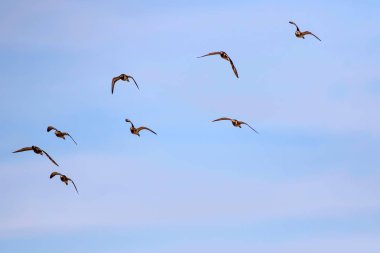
(54, 174)
(128, 121)
(114, 80)
(221, 119)
(134, 82)
(291, 22)
(233, 67)
(213, 53)
(51, 159)
(249, 126)
(70, 137)
(51, 128)
(307, 32)
(74, 185)
(145, 128)
(23, 149)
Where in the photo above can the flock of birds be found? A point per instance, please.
(40, 151)
(133, 129)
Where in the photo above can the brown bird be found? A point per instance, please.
(122, 77)
(236, 123)
(36, 150)
(300, 34)
(63, 179)
(60, 134)
(225, 56)
(137, 130)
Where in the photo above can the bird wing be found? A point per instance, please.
(221, 119)
(241, 122)
(70, 137)
(291, 22)
(212, 53)
(51, 159)
(233, 67)
(23, 149)
(74, 185)
(114, 80)
(307, 32)
(134, 81)
(127, 120)
(54, 174)
(51, 128)
(142, 128)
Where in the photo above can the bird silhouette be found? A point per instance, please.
(136, 131)
(235, 123)
(36, 150)
(225, 56)
(60, 134)
(122, 77)
(64, 179)
(300, 34)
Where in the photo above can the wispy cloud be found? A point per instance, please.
(139, 194)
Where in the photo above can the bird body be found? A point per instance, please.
(60, 134)
(300, 34)
(64, 179)
(235, 123)
(36, 150)
(136, 131)
(122, 77)
(224, 56)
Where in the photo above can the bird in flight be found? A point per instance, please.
(225, 56)
(236, 123)
(300, 34)
(63, 179)
(36, 150)
(60, 134)
(122, 77)
(136, 131)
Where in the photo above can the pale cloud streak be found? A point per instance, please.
(143, 195)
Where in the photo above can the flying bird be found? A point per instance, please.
(63, 179)
(300, 34)
(225, 56)
(36, 150)
(122, 77)
(236, 123)
(60, 134)
(136, 131)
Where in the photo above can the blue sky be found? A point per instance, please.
(307, 183)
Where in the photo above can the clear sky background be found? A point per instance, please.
(309, 182)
